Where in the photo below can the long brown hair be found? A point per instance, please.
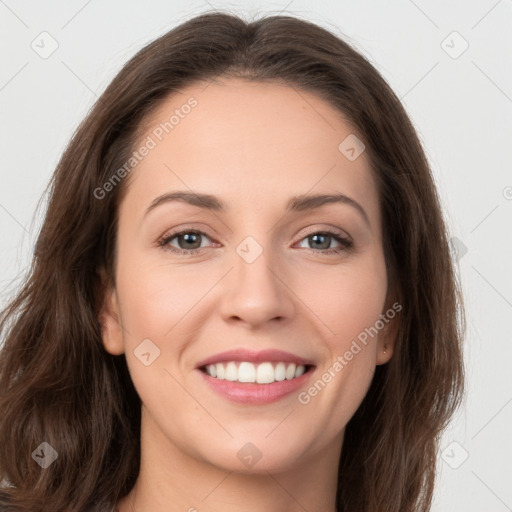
(58, 384)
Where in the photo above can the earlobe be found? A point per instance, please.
(386, 338)
(109, 319)
(384, 354)
(386, 342)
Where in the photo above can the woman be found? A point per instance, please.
(242, 295)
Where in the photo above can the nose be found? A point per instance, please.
(257, 292)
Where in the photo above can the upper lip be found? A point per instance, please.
(241, 354)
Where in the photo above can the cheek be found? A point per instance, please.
(157, 304)
(155, 297)
(166, 305)
(346, 299)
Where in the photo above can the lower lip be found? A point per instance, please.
(255, 394)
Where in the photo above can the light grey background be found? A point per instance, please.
(461, 106)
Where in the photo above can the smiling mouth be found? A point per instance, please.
(259, 373)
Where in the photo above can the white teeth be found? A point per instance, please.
(246, 372)
(299, 371)
(280, 371)
(290, 371)
(231, 372)
(220, 371)
(263, 373)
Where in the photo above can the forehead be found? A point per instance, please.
(254, 144)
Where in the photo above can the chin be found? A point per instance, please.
(253, 456)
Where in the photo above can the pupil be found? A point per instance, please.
(188, 238)
(323, 236)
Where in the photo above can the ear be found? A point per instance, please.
(387, 336)
(109, 318)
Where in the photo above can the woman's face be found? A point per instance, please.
(264, 271)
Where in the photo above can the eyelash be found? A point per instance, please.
(164, 241)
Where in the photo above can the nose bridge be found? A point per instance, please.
(257, 293)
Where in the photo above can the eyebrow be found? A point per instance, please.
(295, 204)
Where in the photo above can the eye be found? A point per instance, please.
(322, 240)
(189, 242)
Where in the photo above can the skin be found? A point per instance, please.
(253, 145)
